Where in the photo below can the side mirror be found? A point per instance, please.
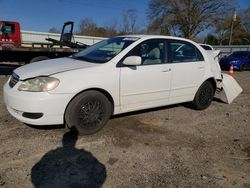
(132, 60)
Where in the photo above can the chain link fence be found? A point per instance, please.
(226, 50)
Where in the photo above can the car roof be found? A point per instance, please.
(144, 37)
(205, 44)
(153, 36)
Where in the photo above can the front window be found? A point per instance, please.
(151, 52)
(105, 50)
(6, 28)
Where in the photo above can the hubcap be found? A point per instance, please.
(205, 96)
(91, 114)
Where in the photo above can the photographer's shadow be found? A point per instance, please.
(68, 167)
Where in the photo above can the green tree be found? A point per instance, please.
(241, 28)
(186, 18)
(211, 39)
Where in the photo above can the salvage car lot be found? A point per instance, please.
(165, 147)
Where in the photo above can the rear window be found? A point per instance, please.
(181, 51)
(206, 47)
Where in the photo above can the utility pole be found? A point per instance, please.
(232, 27)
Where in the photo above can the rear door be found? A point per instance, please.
(188, 69)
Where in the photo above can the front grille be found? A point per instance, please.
(13, 80)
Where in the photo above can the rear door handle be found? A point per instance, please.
(201, 67)
(167, 70)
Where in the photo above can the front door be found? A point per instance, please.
(146, 85)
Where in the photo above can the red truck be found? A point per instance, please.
(10, 34)
(13, 50)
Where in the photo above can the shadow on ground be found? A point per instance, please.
(46, 127)
(68, 167)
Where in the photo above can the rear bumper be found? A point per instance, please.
(231, 88)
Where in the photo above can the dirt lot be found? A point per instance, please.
(168, 147)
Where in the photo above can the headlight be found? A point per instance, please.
(39, 84)
(235, 61)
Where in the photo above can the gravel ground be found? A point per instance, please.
(173, 146)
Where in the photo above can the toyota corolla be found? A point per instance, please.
(114, 76)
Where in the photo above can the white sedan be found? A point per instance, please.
(117, 75)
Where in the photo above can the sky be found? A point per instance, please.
(41, 15)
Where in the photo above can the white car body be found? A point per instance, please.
(130, 88)
(215, 53)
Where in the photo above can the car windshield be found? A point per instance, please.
(105, 50)
(239, 54)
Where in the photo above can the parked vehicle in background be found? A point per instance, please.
(239, 59)
(12, 49)
(115, 76)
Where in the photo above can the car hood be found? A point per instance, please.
(49, 67)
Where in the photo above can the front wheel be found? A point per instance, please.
(204, 96)
(88, 112)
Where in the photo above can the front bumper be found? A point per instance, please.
(21, 103)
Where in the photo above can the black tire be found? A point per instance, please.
(88, 112)
(242, 67)
(39, 58)
(204, 96)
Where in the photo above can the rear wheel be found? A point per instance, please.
(242, 67)
(204, 96)
(88, 112)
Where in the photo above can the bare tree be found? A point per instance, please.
(54, 30)
(187, 18)
(87, 26)
(129, 22)
(111, 28)
(245, 19)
